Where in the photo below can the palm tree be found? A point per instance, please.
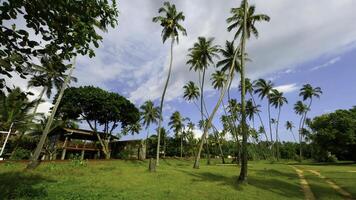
(191, 92)
(149, 114)
(243, 19)
(263, 88)
(252, 110)
(277, 100)
(176, 124)
(250, 90)
(170, 21)
(200, 57)
(51, 73)
(218, 79)
(289, 126)
(308, 92)
(300, 109)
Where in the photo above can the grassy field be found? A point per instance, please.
(174, 179)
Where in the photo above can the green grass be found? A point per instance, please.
(174, 179)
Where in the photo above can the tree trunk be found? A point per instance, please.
(222, 94)
(270, 127)
(181, 147)
(259, 116)
(34, 162)
(243, 172)
(161, 105)
(277, 136)
(39, 100)
(202, 106)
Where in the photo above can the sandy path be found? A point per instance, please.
(332, 184)
(304, 184)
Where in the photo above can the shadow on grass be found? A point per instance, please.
(22, 185)
(260, 179)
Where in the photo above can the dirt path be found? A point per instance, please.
(304, 184)
(332, 184)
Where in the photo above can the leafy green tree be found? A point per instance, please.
(334, 134)
(300, 109)
(277, 100)
(149, 114)
(99, 108)
(243, 19)
(170, 21)
(50, 73)
(62, 28)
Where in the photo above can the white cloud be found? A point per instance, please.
(287, 88)
(330, 62)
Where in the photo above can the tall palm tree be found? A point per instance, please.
(170, 21)
(263, 88)
(176, 124)
(218, 79)
(289, 126)
(250, 90)
(277, 100)
(200, 56)
(191, 91)
(300, 109)
(149, 115)
(252, 110)
(308, 92)
(51, 73)
(243, 19)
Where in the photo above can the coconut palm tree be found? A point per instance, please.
(263, 88)
(289, 126)
(218, 79)
(200, 56)
(176, 124)
(308, 92)
(243, 19)
(300, 109)
(252, 110)
(149, 115)
(250, 90)
(51, 73)
(170, 21)
(277, 100)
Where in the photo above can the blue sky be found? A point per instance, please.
(305, 42)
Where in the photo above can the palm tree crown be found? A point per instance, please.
(202, 53)
(176, 122)
(149, 113)
(236, 20)
(308, 92)
(263, 88)
(277, 98)
(289, 125)
(300, 108)
(228, 57)
(170, 22)
(191, 91)
(218, 78)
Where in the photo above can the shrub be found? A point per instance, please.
(21, 154)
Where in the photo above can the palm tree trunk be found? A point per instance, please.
(161, 105)
(277, 137)
(243, 171)
(300, 138)
(146, 143)
(39, 100)
(259, 116)
(222, 94)
(270, 127)
(181, 147)
(202, 107)
(34, 162)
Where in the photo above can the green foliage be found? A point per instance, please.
(76, 161)
(64, 28)
(20, 154)
(96, 105)
(334, 134)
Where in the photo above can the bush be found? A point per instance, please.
(20, 154)
(76, 161)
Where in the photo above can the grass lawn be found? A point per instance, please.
(174, 179)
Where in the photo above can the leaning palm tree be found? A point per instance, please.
(300, 109)
(51, 73)
(243, 19)
(263, 88)
(277, 100)
(289, 126)
(149, 115)
(170, 21)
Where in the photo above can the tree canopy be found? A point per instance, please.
(62, 28)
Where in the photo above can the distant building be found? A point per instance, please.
(66, 142)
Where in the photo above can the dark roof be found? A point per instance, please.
(80, 134)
